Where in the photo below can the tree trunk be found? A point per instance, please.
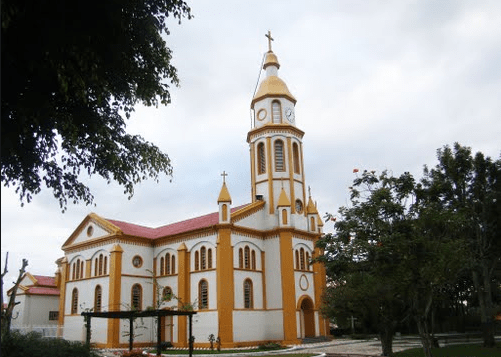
(386, 337)
(7, 314)
(483, 288)
(426, 339)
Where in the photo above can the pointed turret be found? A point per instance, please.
(224, 202)
(284, 209)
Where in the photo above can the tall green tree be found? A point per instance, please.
(389, 256)
(468, 188)
(72, 71)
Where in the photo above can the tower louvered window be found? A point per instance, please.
(295, 155)
(248, 294)
(279, 156)
(197, 260)
(301, 256)
(241, 258)
(173, 265)
(247, 257)
(253, 260)
(203, 259)
(74, 301)
(276, 110)
(98, 294)
(203, 294)
(167, 264)
(162, 266)
(137, 297)
(209, 258)
(261, 158)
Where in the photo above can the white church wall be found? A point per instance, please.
(130, 251)
(195, 278)
(304, 284)
(144, 330)
(171, 282)
(38, 308)
(273, 274)
(257, 287)
(204, 324)
(90, 231)
(258, 325)
(196, 243)
(126, 293)
(74, 329)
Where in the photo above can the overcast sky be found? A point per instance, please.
(379, 85)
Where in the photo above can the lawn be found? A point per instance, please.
(454, 351)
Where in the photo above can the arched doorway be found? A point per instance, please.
(308, 317)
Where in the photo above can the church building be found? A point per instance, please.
(244, 269)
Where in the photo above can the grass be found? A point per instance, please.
(454, 351)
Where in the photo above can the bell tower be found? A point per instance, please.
(276, 145)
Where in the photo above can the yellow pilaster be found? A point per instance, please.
(62, 295)
(319, 281)
(88, 265)
(291, 175)
(115, 286)
(225, 287)
(253, 172)
(270, 176)
(183, 294)
(288, 288)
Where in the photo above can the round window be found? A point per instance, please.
(90, 230)
(137, 261)
(299, 206)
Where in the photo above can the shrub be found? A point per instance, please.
(165, 344)
(33, 344)
(133, 353)
(270, 346)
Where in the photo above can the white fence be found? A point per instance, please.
(45, 330)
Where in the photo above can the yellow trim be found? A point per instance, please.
(319, 281)
(247, 211)
(115, 288)
(288, 288)
(225, 291)
(101, 222)
(253, 171)
(272, 129)
(183, 293)
(283, 200)
(263, 277)
(270, 177)
(291, 173)
(62, 296)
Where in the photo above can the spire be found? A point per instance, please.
(224, 195)
(283, 200)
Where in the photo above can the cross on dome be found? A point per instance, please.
(224, 174)
(269, 40)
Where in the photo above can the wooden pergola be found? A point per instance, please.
(132, 315)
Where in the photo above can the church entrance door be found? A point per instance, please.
(308, 317)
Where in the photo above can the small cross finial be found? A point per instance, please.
(269, 40)
(309, 191)
(224, 174)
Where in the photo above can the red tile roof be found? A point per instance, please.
(40, 290)
(170, 229)
(45, 280)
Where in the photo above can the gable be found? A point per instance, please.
(91, 228)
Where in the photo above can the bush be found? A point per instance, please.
(270, 346)
(33, 344)
(165, 344)
(133, 353)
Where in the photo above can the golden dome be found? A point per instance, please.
(272, 86)
(271, 59)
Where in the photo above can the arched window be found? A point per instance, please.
(284, 216)
(203, 258)
(74, 301)
(98, 297)
(100, 264)
(241, 258)
(96, 271)
(105, 267)
(312, 223)
(253, 260)
(137, 297)
(173, 267)
(248, 294)
(82, 270)
(276, 112)
(74, 271)
(261, 159)
(225, 212)
(162, 266)
(295, 155)
(197, 260)
(301, 257)
(247, 257)
(209, 258)
(167, 294)
(167, 264)
(279, 156)
(307, 261)
(297, 259)
(203, 294)
(78, 269)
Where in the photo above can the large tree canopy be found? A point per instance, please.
(71, 71)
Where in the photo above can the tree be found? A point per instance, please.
(388, 258)
(469, 188)
(6, 313)
(71, 72)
